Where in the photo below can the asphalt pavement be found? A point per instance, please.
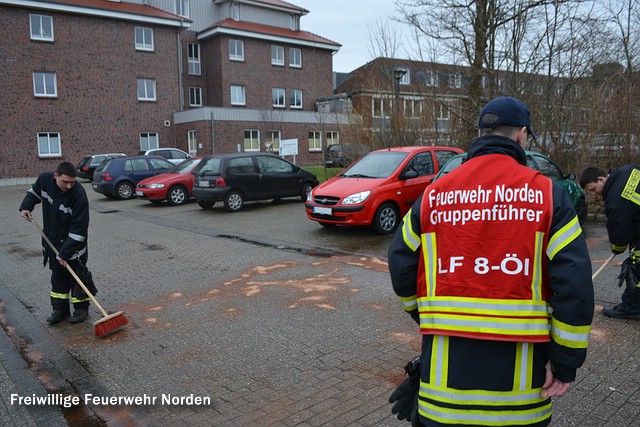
(254, 318)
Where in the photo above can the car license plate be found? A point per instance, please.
(321, 210)
(139, 193)
(203, 183)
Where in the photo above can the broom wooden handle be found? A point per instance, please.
(73, 273)
(603, 266)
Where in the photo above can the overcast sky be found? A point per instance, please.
(346, 22)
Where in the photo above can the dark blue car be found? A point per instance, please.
(117, 178)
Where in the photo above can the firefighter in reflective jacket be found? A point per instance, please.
(492, 263)
(620, 191)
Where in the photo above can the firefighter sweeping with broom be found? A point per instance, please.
(65, 213)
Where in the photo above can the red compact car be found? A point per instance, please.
(175, 186)
(379, 189)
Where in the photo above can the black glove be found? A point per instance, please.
(86, 277)
(405, 397)
(629, 274)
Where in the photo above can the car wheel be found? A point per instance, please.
(386, 219)
(177, 195)
(233, 201)
(206, 204)
(582, 210)
(305, 190)
(124, 191)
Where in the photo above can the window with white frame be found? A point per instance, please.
(182, 7)
(406, 77)
(293, 23)
(235, 11)
(273, 140)
(237, 95)
(144, 38)
(44, 84)
(296, 98)
(146, 90)
(49, 144)
(333, 138)
(277, 55)
(148, 141)
(192, 143)
(455, 80)
(376, 107)
(412, 107)
(431, 78)
(251, 140)
(41, 27)
(443, 110)
(315, 141)
(295, 57)
(277, 97)
(236, 50)
(193, 59)
(195, 96)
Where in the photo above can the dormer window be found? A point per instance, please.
(235, 12)
(182, 7)
(293, 23)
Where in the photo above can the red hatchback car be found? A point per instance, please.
(379, 189)
(175, 186)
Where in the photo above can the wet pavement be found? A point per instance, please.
(254, 318)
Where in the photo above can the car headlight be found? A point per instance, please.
(310, 197)
(356, 198)
(156, 186)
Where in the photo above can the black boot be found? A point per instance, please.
(79, 315)
(58, 315)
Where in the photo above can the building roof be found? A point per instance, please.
(97, 7)
(230, 26)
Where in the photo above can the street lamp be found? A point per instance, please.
(398, 74)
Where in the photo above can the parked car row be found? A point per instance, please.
(377, 190)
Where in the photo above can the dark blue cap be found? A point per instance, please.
(505, 111)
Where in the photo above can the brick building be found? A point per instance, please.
(79, 77)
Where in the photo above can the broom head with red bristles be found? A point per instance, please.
(110, 323)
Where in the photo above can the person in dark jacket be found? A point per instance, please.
(65, 214)
(492, 264)
(619, 188)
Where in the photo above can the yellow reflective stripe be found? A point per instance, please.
(618, 248)
(480, 397)
(523, 373)
(569, 335)
(439, 369)
(485, 325)
(411, 239)
(75, 300)
(536, 279)
(629, 191)
(430, 261)
(485, 417)
(495, 307)
(59, 296)
(563, 237)
(409, 303)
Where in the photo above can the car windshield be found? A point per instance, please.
(210, 166)
(184, 167)
(380, 164)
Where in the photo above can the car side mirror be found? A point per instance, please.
(571, 176)
(410, 174)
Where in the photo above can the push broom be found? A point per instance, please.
(603, 266)
(110, 322)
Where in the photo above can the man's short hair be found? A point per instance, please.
(591, 174)
(67, 168)
(508, 131)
